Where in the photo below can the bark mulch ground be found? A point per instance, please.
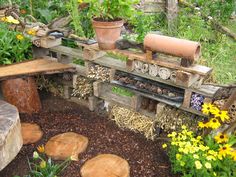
(146, 158)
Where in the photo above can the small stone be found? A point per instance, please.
(31, 133)
(66, 145)
(106, 165)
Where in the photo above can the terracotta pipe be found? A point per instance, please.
(173, 46)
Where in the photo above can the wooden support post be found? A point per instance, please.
(136, 102)
(230, 101)
(186, 79)
(187, 98)
(92, 103)
(160, 108)
(149, 55)
(67, 93)
(172, 13)
(97, 88)
(130, 64)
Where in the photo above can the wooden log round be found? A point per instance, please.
(173, 76)
(138, 66)
(22, 92)
(145, 68)
(164, 73)
(153, 70)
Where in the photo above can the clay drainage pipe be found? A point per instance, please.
(173, 46)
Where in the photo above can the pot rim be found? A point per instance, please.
(107, 24)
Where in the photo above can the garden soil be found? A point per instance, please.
(146, 158)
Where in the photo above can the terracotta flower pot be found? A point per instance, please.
(173, 46)
(107, 33)
(22, 92)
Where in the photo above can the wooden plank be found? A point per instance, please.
(169, 62)
(75, 53)
(33, 67)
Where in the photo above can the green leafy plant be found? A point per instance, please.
(79, 61)
(117, 56)
(42, 166)
(109, 10)
(14, 46)
(122, 91)
(205, 155)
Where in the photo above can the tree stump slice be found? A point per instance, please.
(164, 73)
(138, 66)
(31, 133)
(106, 165)
(153, 70)
(66, 145)
(22, 93)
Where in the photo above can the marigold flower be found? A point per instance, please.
(208, 165)
(20, 37)
(31, 32)
(41, 149)
(43, 164)
(225, 150)
(198, 164)
(214, 123)
(23, 11)
(221, 138)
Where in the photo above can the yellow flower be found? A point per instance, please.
(198, 164)
(184, 127)
(80, 1)
(20, 37)
(208, 165)
(210, 158)
(225, 150)
(41, 149)
(221, 138)
(178, 156)
(214, 123)
(173, 134)
(164, 146)
(182, 163)
(195, 156)
(223, 115)
(35, 155)
(202, 125)
(43, 164)
(31, 32)
(233, 154)
(10, 19)
(207, 108)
